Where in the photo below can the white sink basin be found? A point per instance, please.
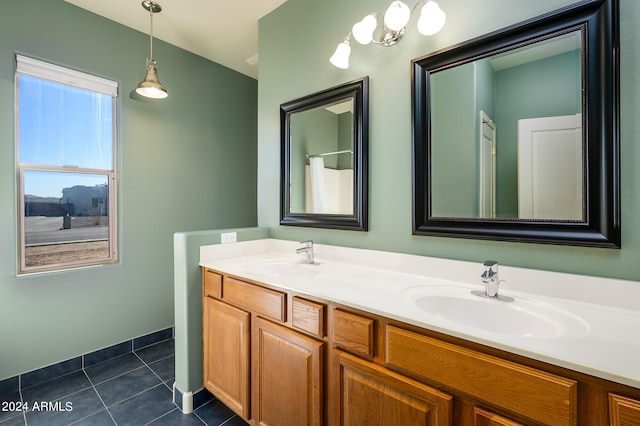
(523, 317)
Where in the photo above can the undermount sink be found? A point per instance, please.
(284, 269)
(523, 317)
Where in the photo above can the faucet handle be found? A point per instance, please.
(308, 243)
(490, 269)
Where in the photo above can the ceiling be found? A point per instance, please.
(222, 31)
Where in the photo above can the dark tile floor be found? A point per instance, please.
(131, 389)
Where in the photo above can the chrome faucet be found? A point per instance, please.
(308, 249)
(490, 278)
(491, 282)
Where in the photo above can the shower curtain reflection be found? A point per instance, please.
(318, 188)
(328, 190)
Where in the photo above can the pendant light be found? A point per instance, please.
(151, 87)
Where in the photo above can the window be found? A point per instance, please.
(65, 145)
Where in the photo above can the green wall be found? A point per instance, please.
(296, 41)
(186, 163)
(485, 89)
(454, 143)
(457, 96)
(188, 300)
(345, 140)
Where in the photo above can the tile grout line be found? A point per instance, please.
(153, 371)
(195, 413)
(144, 364)
(229, 419)
(147, 346)
(157, 418)
(199, 418)
(57, 398)
(93, 386)
(122, 374)
(24, 413)
(135, 395)
(69, 395)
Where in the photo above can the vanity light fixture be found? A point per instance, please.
(394, 26)
(151, 87)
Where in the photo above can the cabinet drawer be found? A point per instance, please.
(263, 301)
(308, 316)
(623, 411)
(353, 333)
(538, 395)
(487, 418)
(212, 284)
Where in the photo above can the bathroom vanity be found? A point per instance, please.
(355, 341)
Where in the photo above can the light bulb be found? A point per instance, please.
(340, 57)
(432, 19)
(151, 92)
(397, 16)
(363, 31)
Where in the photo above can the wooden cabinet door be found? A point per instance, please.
(287, 376)
(623, 411)
(226, 344)
(374, 396)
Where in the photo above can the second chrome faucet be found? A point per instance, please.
(491, 282)
(308, 249)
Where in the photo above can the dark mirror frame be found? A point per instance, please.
(599, 22)
(358, 91)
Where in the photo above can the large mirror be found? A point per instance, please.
(324, 158)
(516, 133)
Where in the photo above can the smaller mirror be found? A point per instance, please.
(324, 138)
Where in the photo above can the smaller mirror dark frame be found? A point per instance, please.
(599, 22)
(358, 92)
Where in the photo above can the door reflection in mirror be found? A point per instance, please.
(550, 168)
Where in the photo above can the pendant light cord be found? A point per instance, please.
(151, 32)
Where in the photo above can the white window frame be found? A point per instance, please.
(47, 71)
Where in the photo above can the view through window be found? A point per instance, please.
(66, 174)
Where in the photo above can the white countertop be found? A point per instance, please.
(607, 344)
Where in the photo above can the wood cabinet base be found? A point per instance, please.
(281, 358)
